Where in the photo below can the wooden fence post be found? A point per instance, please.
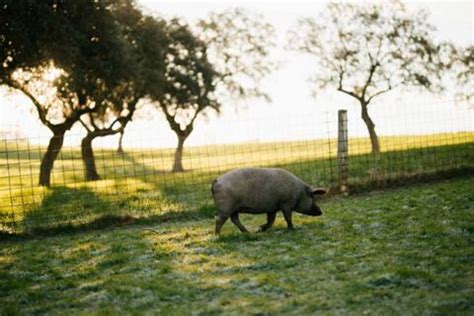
(342, 152)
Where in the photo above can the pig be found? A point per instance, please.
(259, 191)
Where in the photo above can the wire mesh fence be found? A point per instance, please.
(138, 183)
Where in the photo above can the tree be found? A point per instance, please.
(58, 114)
(366, 50)
(146, 37)
(81, 39)
(188, 88)
(111, 118)
(227, 55)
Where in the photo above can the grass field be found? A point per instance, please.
(404, 251)
(138, 185)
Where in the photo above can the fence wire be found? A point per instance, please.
(138, 183)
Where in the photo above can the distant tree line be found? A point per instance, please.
(94, 62)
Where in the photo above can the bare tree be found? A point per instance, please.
(366, 50)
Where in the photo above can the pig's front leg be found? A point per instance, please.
(289, 222)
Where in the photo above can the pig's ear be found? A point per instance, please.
(318, 191)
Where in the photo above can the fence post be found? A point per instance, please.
(342, 151)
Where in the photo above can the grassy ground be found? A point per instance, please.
(402, 251)
(138, 184)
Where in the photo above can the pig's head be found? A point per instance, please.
(308, 205)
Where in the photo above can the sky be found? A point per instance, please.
(293, 112)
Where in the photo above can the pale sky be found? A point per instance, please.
(293, 112)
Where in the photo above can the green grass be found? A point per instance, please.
(402, 251)
(138, 184)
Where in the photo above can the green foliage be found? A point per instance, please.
(88, 44)
(403, 251)
(80, 37)
(23, 31)
(146, 40)
(189, 83)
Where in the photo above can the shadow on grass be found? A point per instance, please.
(99, 273)
(188, 189)
(68, 211)
(277, 272)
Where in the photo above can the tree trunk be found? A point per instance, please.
(178, 155)
(120, 145)
(88, 158)
(47, 162)
(371, 128)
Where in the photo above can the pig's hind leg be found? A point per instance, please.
(225, 210)
(270, 220)
(220, 220)
(235, 219)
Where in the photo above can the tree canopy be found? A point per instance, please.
(83, 40)
(23, 35)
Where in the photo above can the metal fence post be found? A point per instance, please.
(342, 151)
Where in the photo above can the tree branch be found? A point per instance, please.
(373, 67)
(390, 87)
(111, 126)
(378, 93)
(171, 120)
(39, 107)
(104, 132)
(339, 88)
(191, 123)
(85, 126)
(91, 119)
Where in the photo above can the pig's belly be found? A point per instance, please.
(258, 209)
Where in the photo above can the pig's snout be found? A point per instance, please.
(315, 211)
